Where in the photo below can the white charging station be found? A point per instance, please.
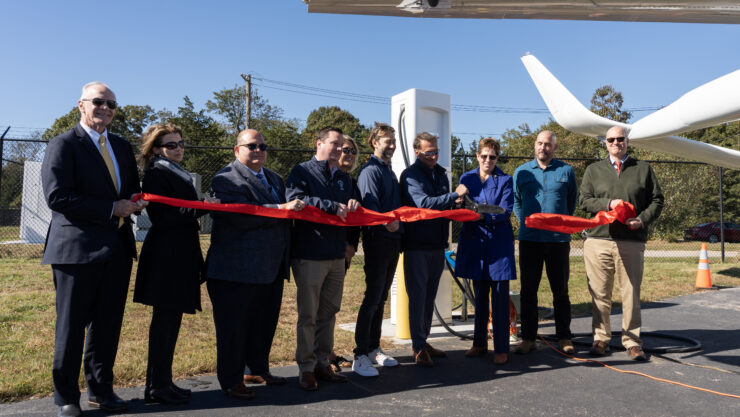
(412, 112)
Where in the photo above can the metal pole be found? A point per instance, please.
(464, 308)
(721, 219)
(2, 143)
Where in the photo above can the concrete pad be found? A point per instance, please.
(540, 383)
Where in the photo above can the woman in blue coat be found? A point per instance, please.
(485, 251)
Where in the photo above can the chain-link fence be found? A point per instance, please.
(691, 199)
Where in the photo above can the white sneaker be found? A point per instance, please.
(362, 366)
(381, 358)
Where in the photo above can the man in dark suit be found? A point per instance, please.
(246, 265)
(88, 177)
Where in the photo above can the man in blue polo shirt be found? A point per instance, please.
(544, 185)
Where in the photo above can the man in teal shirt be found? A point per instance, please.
(544, 185)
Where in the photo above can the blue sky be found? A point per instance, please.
(155, 53)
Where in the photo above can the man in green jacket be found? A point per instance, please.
(618, 249)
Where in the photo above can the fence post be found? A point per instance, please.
(2, 145)
(721, 219)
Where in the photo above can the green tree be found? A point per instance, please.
(607, 102)
(335, 117)
(230, 104)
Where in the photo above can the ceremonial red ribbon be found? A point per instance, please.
(571, 224)
(360, 217)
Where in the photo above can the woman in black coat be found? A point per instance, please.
(171, 262)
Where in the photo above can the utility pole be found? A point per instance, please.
(248, 80)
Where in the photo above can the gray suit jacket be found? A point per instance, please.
(246, 248)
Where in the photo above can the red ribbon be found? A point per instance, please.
(360, 217)
(571, 224)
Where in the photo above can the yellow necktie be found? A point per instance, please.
(111, 168)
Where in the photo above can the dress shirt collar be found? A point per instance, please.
(612, 162)
(256, 174)
(94, 136)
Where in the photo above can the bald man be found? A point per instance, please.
(544, 185)
(246, 265)
(88, 176)
(617, 250)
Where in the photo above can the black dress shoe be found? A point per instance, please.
(182, 391)
(111, 403)
(69, 410)
(164, 396)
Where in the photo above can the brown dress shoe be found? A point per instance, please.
(525, 347)
(599, 348)
(266, 378)
(240, 391)
(307, 381)
(500, 358)
(435, 353)
(327, 374)
(253, 379)
(423, 359)
(566, 346)
(476, 351)
(636, 353)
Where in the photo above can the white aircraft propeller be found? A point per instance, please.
(711, 104)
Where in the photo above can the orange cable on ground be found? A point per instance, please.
(668, 381)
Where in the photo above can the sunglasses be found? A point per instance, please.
(97, 102)
(353, 151)
(429, 154)
(619, 139)
(173, 145)
(253, 146)
(491, 157)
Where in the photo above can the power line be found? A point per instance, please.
(367, 98)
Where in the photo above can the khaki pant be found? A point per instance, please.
(320, 285)
(604, 259)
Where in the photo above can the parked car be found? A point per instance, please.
(710, 232)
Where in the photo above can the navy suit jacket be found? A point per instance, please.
(80, 193)
(246, 248)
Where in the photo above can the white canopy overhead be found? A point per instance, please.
(689, 11)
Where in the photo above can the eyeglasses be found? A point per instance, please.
(97, 102)
(491, 157)
(173, 145)
(618, 139)
(429, 154)
(253, 146)
(353, 151)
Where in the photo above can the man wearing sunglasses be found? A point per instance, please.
(88, 177)
(318, 254)
(616, 250)
(246, 265)
(544, 185)
(425, 185)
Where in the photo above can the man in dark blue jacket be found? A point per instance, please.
(379, 191)
(425, 185)
(317, 256)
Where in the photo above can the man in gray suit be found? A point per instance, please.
(246, 265)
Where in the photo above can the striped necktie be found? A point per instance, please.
(111, 168)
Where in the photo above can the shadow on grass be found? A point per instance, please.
(731, 272)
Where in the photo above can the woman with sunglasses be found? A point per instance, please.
(171, 262)
(485, 251)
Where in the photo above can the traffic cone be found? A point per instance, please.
(703, 276)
